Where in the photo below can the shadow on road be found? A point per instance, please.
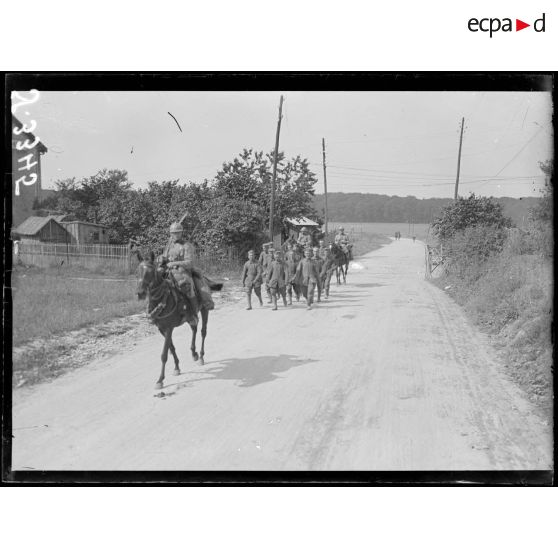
(367, 285)
(256, 370)
(249, 371)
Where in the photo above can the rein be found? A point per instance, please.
(160, 293)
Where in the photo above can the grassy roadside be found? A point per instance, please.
(509, 295)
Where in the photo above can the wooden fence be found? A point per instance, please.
(109, 257)
(434, 257)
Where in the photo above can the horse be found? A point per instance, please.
(340, 261)
(167, 311)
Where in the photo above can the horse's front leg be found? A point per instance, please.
(164, 357)
(174, 355)
(205, 317)
(194, 329)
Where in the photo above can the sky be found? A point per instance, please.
(393, 143)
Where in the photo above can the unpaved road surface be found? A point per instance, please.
(386, 375)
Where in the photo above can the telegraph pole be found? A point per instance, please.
(459, 159)
(325, 183)
(275, 170)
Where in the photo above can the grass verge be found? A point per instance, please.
(509, 295)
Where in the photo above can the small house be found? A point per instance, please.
(84, 233)
(42, 229)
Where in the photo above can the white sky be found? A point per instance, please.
(395, 143)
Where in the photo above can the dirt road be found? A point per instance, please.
(386, 375)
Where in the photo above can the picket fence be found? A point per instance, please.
(106, 257)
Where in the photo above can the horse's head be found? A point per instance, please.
(147, 276)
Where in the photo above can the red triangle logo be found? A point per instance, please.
(519, 25)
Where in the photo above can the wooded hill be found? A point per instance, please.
(377, 208)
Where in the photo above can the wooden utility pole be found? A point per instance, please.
(325, 183)
(459, 159)
(275, 170)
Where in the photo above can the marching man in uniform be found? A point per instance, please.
(307, 277)
(276, 273)
(252, 279)
(318, 265)
(178, 257)
(291, 262)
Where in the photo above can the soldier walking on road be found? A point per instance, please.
(291, 262)
(307, 277)
(277, 279)
(268, 259)
(318, 264)
(328, 268)
(252, 279)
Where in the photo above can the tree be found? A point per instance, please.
(469, 212)
(248, 179)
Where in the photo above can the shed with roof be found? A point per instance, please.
(42, 229)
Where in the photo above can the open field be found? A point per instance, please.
(49, 301)
(420, 230)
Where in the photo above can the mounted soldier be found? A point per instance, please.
(342, 239)
(304, 239)
(178, 260)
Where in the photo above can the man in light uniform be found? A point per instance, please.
(304, 238)
(307, 277)
(252, 279)
(342, 239)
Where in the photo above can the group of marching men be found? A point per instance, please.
(298, 268)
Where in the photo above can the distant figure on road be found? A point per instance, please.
(397, 235)
(414, 238)
(252, 279)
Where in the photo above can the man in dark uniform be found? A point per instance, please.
(307, 277)
(178, 257)
(291, 262)
(252, 279)
(318, 264)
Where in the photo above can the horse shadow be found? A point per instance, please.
(249, 372)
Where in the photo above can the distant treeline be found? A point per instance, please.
(376, 208)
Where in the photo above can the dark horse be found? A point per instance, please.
(340, 262)
(167, 311)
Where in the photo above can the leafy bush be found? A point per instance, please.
(471, 247)
(469, 212)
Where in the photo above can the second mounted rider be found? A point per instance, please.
(178, 259)
(304, 239)
(342, 239)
